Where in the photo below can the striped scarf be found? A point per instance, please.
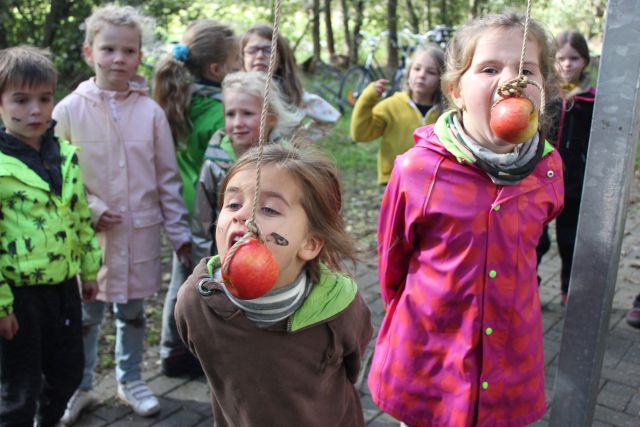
(276, 305)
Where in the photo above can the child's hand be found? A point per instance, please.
(380, 86)
(89, 291)
(8, 326)
(184, 255)
(107, 220)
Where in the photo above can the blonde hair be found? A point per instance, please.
(26, 66)
(462, 47)
(437, 55)
(208, 42)
(320, 197)
(286, 71)
(252, 83)
(120, 16)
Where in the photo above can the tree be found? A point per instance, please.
(316, 31)
(414, 21)
(392, 40)
(331, 46)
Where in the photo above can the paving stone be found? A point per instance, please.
(90, 420)
(163, 385)
(617, 418)
(633, 407)
(182, 419)
(615, 396)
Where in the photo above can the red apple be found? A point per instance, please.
(514, 119)
(252, 272)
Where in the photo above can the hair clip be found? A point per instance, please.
(180, 52)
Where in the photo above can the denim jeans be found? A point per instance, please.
(170, 342)
(130, 332)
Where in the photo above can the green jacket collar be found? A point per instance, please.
(331, 295)
(441, 128)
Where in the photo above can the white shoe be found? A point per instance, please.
(81, 400)
(139, 396)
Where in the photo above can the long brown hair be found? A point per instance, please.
(287, 70)
(208, 42)
(321, 197)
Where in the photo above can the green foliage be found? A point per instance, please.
(349, 156)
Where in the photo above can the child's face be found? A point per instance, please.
(256, 54)
(569, 64)
(242, 119)
(423, 78)
(495, 61)
(114, 55)
(279, 211)
(26, 112)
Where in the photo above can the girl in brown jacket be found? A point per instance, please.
(290, 357)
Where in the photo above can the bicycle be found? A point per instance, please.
(358, 77)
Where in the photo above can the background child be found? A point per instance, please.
(187, 86)
(395, 118)
(242, 94)
(46, 240)
(299, 346)
(461, 341)
(570, 135)
(256, 51)
(129, 165)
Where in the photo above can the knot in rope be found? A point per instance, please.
(513, 87)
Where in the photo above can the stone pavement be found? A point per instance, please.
(185, 402)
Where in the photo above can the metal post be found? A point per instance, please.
(605, 197)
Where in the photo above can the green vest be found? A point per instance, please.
(44, 238)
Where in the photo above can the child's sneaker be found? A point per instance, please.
(81, 400)
(139, 396)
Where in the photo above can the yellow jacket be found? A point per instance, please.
(394, 119)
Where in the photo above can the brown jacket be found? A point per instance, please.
(298, 372)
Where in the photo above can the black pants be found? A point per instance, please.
(566, 227)
(42, 365)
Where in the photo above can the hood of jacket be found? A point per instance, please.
(328, 297)
(90, 90)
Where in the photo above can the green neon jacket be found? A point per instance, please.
(44, 238)
(207, 116)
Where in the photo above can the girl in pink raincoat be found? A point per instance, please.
(461, 341)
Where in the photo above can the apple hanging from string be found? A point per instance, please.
(252, 270)
(514, 119)
(514, 116)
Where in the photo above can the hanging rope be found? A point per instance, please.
(516, 86)
(252, 226)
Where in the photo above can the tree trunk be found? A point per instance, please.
(345, 27)
(414, 21)
(473, 8)
(316, 31)
(443, 12)
(429, 16)
(59, 12)
(392, 40)
(331, 47)
(357, 26)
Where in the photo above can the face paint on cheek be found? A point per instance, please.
(279, 240)
(15, 119)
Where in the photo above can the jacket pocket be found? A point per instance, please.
(146, 239)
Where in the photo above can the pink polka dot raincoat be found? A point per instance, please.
(461, 342)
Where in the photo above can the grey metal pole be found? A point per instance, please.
(605, 197)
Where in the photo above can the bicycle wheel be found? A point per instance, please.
(396, 82)
(352, 85)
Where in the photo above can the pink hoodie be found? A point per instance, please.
(461, 342)
(129, 166)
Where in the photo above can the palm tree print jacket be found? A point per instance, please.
(45, 237)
